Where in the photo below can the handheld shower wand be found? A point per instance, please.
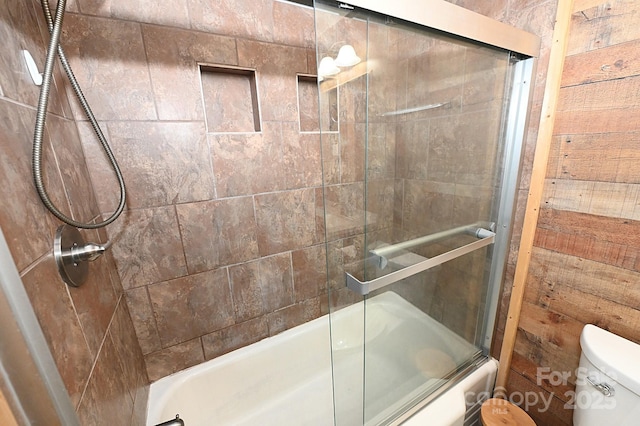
(70, 251)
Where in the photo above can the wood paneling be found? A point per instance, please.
(616, 230)
(585, 259)
(618, 61)
(599, 121)
(605, 23)
(603, 157)
(541, 157)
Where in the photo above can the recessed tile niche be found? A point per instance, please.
(230, 99)
(308, 106)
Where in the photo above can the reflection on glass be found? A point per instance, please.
(420, 148)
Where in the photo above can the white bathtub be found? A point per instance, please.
(287, 379)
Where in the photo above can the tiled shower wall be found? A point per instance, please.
(222, 241)
(446, 162)
(88, 329)
(425, 171)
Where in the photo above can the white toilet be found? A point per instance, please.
(608, 384)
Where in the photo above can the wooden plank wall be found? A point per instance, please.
(585, 266)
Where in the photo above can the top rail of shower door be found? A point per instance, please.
(485, 238)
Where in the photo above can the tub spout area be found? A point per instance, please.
(173, 422)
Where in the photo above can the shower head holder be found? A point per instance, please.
(72, 254)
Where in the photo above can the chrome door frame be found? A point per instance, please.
(455, 20)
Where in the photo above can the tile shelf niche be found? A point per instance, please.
(230, 99)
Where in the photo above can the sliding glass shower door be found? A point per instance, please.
(420, 133)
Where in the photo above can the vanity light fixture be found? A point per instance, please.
(347, 57)
(327, 67)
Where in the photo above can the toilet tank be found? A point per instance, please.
(608, 380)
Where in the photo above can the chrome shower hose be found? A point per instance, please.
(55, 27)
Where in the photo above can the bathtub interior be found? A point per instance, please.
(288, 377)
(398, 337)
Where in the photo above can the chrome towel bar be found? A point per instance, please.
(485, 236)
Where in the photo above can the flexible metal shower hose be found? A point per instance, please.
(55, 27)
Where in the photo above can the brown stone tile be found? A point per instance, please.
(329, 110)
(243, 18)
(95, 301)
(60, 325)
(173, 359)
(341, 298)
(52, 175)
(352, 152)
(246, 164)
(100, 60)
(495, 10)
(345, 210)
(309, 272)
(106, 399)
(335, 264)
(293, 24)
(302, 158)
(192, 306)
(325, 23)
(380, 203)
(352, 255)
(174, 14)
(485, 76)
(312, 63)
(173, 57)
(330, 158)
(427, 208)
(218, 233)
(476, 151)
(276, 281)
(277, 67)
(230, 100)
(383, 82)
(408, 44)
(381, 155)
(20, 28)
(112, 268)
(445, 134)
(412, 154)
(147, 246)
(534, 16)
(293, 316)
(308, 105)
(130, 356)
(72, 6)
(398, 203)
(143, 320)
(234, 337)
(436, 76)
(286, 221)
(21, 207)
(139, 415)
(102, 178)
(352, 98)
(471, 204)
(162, 164)
(246, 292)
(261, 286)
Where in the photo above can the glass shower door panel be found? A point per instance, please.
(412, 134)
(432, 180)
